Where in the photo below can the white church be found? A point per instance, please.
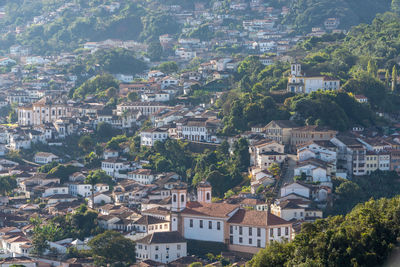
(241, 229)
(299, 83)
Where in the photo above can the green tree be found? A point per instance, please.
(104, 130)
(274, 169)
(155, 51)
(7, 184)
(112, 92)
(168, 67)
(394, 78)
(39, 243)
(133, 96)
(372, 68)
(97, 85)
(62, 171)
(86, 143)
(112, 248)
(241, 154)
(396, 6)
(92, 179)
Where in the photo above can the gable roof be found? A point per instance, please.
(219, 210)
(146, 220)
(162, 238)
(256, 218)
(284, 123)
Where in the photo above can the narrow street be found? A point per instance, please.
(288, 173)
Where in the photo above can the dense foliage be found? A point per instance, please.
(97, 85)
(334, 109)
(364, 237)
(116, 61)
(7, 184)
(348, 193)
(305, 14)
(217, 166)
(113, 248)
(80, 224)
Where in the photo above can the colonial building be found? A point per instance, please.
(198, 129)
(150, 136)
(161, 247)
(299, 83)
(310, 133)
(280, 130)
(46, 110)
(242, 230)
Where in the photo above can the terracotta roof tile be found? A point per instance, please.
(256, 218)
(219, 210)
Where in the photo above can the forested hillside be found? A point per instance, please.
(86, 21)
(364, 237)
(305, 14)
(364, 61)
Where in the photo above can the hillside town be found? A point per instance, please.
(86, 151)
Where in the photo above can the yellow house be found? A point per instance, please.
(372, 162)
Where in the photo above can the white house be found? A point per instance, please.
(110, 153)
(150, 136)
(323, 150)
(99, 198)
(266, 159)
(251, 230)
(317, 172)
(45, 157)
(161, 247)
(143, 176)
(168, 81)
(55, 190)
(115, 167)
(295, 188)
(80, 189)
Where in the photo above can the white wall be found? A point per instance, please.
(204, 234)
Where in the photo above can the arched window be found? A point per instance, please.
(174, 198)
(182, 198)
(208, 196)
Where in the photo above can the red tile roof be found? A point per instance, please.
(219, 210)
(256, 218)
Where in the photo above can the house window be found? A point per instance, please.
(258, 243)
(156, 247)
(231, 229)
(240, 230)
(156, 256)
(182, 198)
(287, 228)
(250, 241)
(209, 224)
(258, 231)
(218, 226)
(201, 223)
(231, 239)
(250, 231)
(279, 231)
(178, 247)
(191, 223)
(240, 240)
(271, 232)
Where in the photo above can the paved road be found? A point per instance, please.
(289, 173)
